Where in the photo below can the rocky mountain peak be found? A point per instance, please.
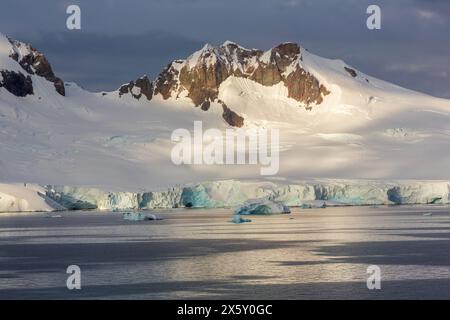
(200, 75)
(32, 62)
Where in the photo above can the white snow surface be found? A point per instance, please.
(25, 197)
(366, 129)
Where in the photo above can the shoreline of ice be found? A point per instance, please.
(225, 194)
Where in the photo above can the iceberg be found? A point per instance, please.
(139, 216)
(261, 207)
(238, 219)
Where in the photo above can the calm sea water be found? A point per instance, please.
(199, 254)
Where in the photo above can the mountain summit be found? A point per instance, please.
(29, 65)
(200, 76)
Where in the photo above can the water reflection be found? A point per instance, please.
(316, 253)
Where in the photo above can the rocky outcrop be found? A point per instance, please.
(205, 106)
(140, 87)
(16, 83)
(34, 62)
(231, 117)
(351, 72)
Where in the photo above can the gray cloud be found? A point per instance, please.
(103, 62)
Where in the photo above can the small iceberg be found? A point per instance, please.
(139, 216)
(261, 207)
(238, 219)
(53, 215)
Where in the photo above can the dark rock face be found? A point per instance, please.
(125, 88)
(205, 106)
(16, 83)
(351, 72)
(231, 117)
(34, 62)
(146, 87)
(166, 82)
(143, 83)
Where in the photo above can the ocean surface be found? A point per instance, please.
(199, 254)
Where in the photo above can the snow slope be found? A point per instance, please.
(364, 129)
(20, 197)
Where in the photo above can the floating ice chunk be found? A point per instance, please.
(322, 204)
(152, 217)
(262, 206)
(139, 216)
(238, 219)
(53, 216)
(133, 216)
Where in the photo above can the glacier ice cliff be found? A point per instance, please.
(233, 193)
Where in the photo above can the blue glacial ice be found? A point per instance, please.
(232, 193)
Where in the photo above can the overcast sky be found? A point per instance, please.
(121, 40)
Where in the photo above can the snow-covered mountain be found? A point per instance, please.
(334, 121)
(201, 76)
(28, 66)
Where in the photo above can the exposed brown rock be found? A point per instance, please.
(16, 83)
(302, 86)
(231, 117)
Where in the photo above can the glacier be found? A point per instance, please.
(234, 193)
